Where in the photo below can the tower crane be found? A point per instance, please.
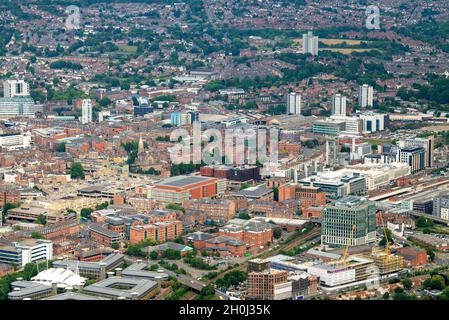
(345, 251)
(387, 243)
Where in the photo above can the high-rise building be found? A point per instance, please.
(310, 43)
(414, 156)
(339, 105)
(86, 111)
(293, 103)
(441, 207)
(365, 96)
(15, 88)
(427, 143)
(350, 220)
(373, 122)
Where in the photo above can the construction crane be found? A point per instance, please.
(345, 251)
(387, 243)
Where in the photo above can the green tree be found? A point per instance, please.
(407, 283)
(77, 171)
(277, 232)
(42, 219)
(85, 213)
(36, 235)
(153, 255)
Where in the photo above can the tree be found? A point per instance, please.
(153, 255)
(277, 232)
(42, 219)
(77, 171)
(407, 283)
(115, 245)
(244, 215)
(85, 213)
(207, 291)
(36, 235)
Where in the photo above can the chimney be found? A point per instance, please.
(118, 272)
(110, 274)
(134, 295)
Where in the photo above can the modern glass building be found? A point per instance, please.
(17, 106)
(350, 220)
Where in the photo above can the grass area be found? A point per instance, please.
(345, 50)
(126, 48)
(375, 141)
(332, 42)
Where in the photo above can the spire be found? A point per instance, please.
(141, 147)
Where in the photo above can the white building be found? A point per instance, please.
(365, 96)
(310, 43)
(34, 250)
(372, 122)
(15, 88)
(353, 125)
(339, 105)
(13, 141)
(293, 103)
(62, 277)
(86, 111)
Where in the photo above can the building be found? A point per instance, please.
(17, 106)
(413, 256)
(365, 96)
(294, 103)
(350, 220)
(335, 274)
(414, 157)
(15, 88)
(328, 127)
(337, 184)
(427, 143)
(238, 174)
(158, 231)
(373, 122)
(13, 141)
(103, 235)
(254, 234)
(92, 269)
(217, 210)
(30, 250)
(182, 188)
(128, 288)
(441, 207)
(339, 105)
(269, 285)
(86, 111)
(142, 109)
(310, 43)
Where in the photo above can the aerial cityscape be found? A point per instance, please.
(224, 150)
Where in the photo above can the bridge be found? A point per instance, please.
(430, 217)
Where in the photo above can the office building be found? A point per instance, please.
(427, 143)
(337, 184)
(414, 157)
(350, 220)
(182, 188)
(310, 43)
(17, 106)
(339, 105)
(365, 96)
(31, 250)
(269, 285)
(142, 109)
(441, 207)
(15, 88)
(13, 141)
(373, 122)
(86, 111)
(293, 103)
(328, 127)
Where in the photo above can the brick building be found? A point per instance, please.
(159, 231)
(217, 210)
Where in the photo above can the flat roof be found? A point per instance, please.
(140, 287)
(183, 181)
